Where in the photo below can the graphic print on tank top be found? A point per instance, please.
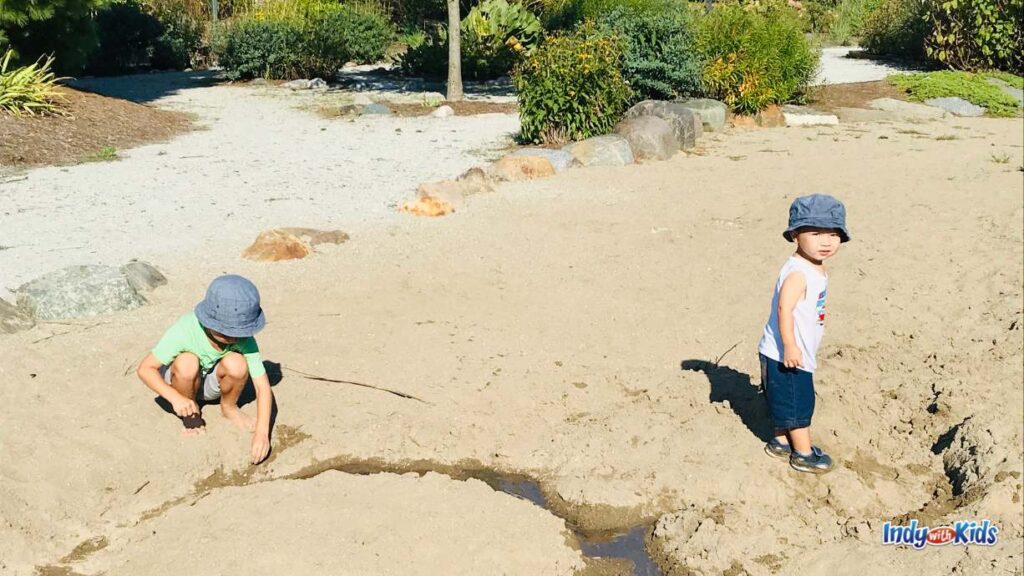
(820, 308)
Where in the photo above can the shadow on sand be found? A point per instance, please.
(744, 398)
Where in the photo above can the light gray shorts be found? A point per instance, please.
(211, 386)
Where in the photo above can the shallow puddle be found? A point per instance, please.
(627, 546)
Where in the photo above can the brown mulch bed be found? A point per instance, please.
(856, 95)
(463, 108)
(89, 124)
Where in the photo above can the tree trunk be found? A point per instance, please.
(454, 53)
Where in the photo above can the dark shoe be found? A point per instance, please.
(817, 462)
(777, 449)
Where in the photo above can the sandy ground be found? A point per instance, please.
(564, 329)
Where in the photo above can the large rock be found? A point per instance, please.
(514, 168)
(686, 124)
(1007, 89)
(143, 276)
(427, 206)
(610, 150)
(712, 112)
(290, 243)
(650, 137)
(375, 110)
(957, 106)
(907, 110)
(77, 292)
(443, 112)
(560, 159)
(13, 319)
(804, 116)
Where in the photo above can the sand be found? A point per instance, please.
(546, 328)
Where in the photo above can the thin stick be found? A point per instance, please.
(323, 379)
(139, 489)
(726, 352)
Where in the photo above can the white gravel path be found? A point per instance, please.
(838, 68)
(257, 163)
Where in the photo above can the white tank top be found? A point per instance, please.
(808, 315)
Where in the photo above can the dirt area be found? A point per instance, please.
(463, 108)
(829, 97)
(88, 124)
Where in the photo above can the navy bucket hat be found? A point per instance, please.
(818, 211)
(231, 307)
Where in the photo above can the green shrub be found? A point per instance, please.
(659, 61)
(571, 87)
(754, 58)
(566, 14)
(127, 38)
(896, 28)
(183, 43)
(976, 34)
(253, 48)
(494, 35)
(62, 28)
(971, 87)
(29, 89)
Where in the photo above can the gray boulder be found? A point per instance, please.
(650, 137)
(300, 84)
(143, 276)
(957, 106)
(712, 112)
(317, 84)
(610, 150)
(686, 124)
(560, 159)
(78, 291)
(1007, 89)
(907, 110)
(375, 110)
(13, 320)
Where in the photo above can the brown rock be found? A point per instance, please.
(475, 181)
(770, 117)
(290, 243)
(427, 206)
(743, 121)
(13, 319)
(518, 168)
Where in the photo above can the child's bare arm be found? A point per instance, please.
(149, 373)
(793, 289)
(264, 404)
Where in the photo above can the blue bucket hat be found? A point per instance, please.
(231, 307)
(818, 211)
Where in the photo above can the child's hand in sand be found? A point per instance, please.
(260, 447)
(792, 357)
(184, 406)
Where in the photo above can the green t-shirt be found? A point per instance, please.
(187, 335)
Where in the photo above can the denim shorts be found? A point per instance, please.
(790, 394)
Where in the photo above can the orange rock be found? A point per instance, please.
(517, 168)
(770, 117)
(290, 243)
(276, 244)
(427, 206)
(743, 121)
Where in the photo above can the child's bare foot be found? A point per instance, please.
(238, 418)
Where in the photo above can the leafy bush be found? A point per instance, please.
(976, 34)
(974, 88)
(754, 58)
(61, 28)
(566, 14)
(253, 48)
(184, 40)
(658, 60)
(29, 89)
(286, 40)
(494, 35)
(127, 38)
(571, 87)
(896, 28)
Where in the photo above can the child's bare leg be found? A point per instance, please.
(232, 372)
(781, 436)
(801, 439)
(185, 381)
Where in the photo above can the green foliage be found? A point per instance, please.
(971, 87)
(566, 14)
(976, 34)
(304, 38)
(184, 40)
(61, 28)
(839, 21)
(754, 57)
(127, 38)
(571, 87)
(896, 28)
(28, 89)
(254, 48)
(494, 35)
(1012, 79)
(105, 154)
(658, 60)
